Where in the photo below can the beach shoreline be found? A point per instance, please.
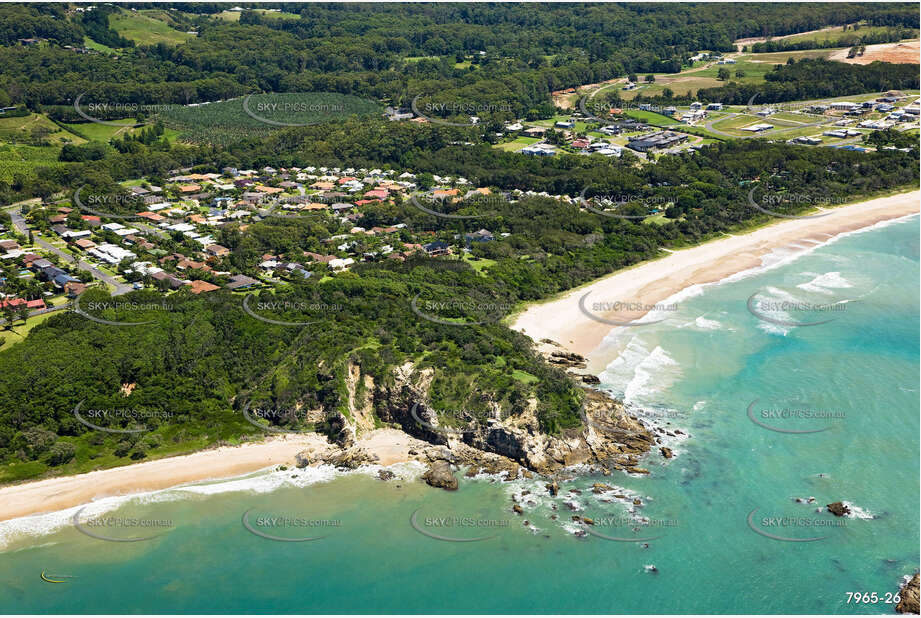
(644, 287)
(559, 320)
(58, 493)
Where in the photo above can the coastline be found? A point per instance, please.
(558, 319)
(645, 284)
(58, 493)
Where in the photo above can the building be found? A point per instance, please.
(539, 150)
(656, 141)
(437, 248)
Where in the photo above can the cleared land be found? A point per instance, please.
(904, 52)
(146, 30)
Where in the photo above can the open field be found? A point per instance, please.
(235, 15)
(517, 144)
(146, 30)
(35, 130)
(781, 57)
(835, 34)
(101, 132)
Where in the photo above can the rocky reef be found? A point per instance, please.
(908, 597)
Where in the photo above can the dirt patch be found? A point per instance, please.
(906, 52)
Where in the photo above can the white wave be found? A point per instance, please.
(826, 284)
(652, 375)
(699, 405)
(704, 324)
(264, 481)
(857, 512)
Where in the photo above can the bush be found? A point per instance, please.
(61, 453)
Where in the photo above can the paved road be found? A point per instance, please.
(20, 224)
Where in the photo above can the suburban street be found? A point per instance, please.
(20, 224)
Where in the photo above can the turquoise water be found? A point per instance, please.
(698, 370)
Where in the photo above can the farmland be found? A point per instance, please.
(259, 115)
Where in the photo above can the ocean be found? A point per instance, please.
(796, 385)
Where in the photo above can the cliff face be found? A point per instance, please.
(608, 438)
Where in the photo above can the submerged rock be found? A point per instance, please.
(441, 475)
(385, 475)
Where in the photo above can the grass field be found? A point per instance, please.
(235, 15)
(836, 34)
(781, 57)
(653, 118)
(146, 30)
(517, 144)
(101, 132)
(20, 330)
(35, 129)
(91, 44)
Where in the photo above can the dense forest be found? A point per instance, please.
(518, 53)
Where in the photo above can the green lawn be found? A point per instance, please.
(91, 44)
(654, 118)
(21, 330)
(478, 264)
(517, 144)
(524, 376)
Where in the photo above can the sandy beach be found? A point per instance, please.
(651, 282)
(55, 494)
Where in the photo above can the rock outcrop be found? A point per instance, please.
(838, 509)
(441, 475)
(908, 597)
